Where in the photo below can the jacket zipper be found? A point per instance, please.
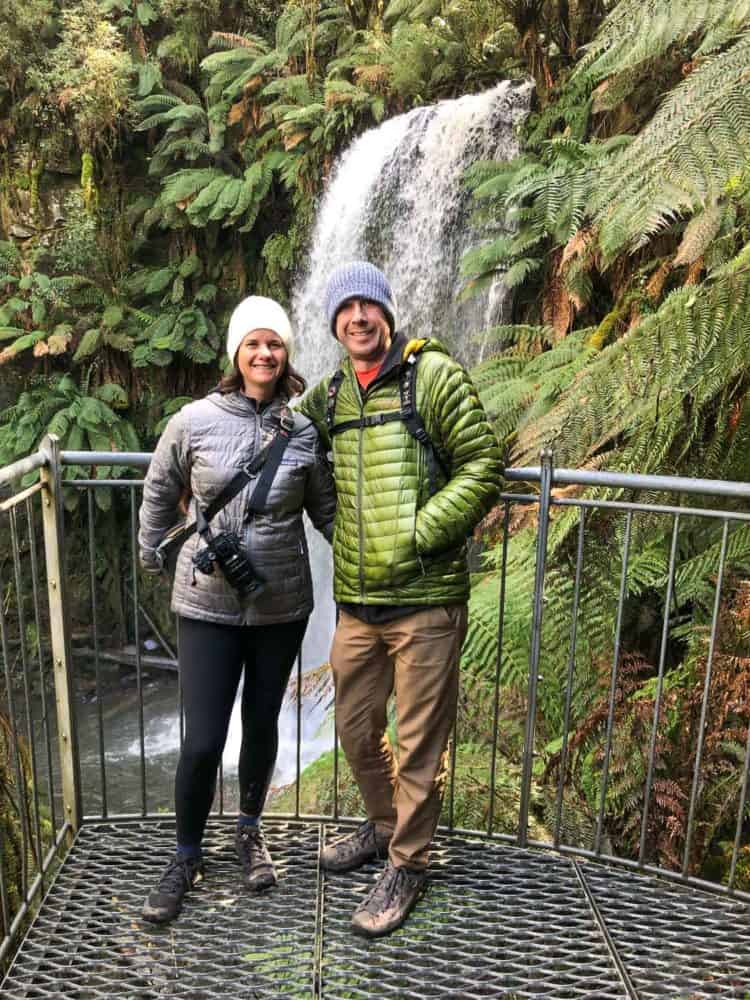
(360, 528)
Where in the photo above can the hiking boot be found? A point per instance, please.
(349, 852)
(258, 872)
(165, 901)
(389, 902)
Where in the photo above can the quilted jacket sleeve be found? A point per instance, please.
(455, 417)
(314, 407)
(167, 477)
(320, 493)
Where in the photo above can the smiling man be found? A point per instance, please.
(416, 466)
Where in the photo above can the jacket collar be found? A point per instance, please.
(245, 406)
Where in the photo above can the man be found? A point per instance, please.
(401, 581)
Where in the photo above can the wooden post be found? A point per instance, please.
(52, 513)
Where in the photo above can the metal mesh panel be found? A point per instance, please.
(89, 940)
(497, 922)
(675, 942)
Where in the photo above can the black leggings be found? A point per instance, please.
(211, 659)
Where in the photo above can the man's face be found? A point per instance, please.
(363, 330)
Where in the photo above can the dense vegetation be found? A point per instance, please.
(161, 157)
(630, 352)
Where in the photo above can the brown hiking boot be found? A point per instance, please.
(389, 902)
(258, 871)
(349, 852)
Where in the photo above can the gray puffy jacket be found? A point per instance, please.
(201, 449)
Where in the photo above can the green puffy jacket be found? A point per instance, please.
(393, 543)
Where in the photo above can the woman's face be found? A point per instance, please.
(261, 360)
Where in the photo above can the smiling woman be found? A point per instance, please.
(242, 584)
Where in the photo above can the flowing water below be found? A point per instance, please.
(121, 727)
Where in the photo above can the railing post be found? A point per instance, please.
(536, 643)
(52, 513)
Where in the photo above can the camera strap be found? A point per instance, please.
(267, 461)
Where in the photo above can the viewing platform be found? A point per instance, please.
(505, 914)
(497, 921)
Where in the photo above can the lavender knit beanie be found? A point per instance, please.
(359, 280)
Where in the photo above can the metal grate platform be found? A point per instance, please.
(497, 922)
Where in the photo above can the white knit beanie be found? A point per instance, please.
(258, 313)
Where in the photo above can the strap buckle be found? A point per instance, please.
(286, 421)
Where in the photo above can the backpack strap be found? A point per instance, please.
(437, 461)
(333, 390)
(267, 460)
(271, 465)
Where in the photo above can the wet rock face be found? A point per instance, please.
(36, 212)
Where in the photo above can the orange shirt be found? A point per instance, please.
(366, 377)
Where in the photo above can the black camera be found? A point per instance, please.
(224, 551)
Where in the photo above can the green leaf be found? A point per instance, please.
(89, 343)
(38, 310)
(145, 13)
(59, 424)
(149, 75)
(159, 280)
(120, 341)
(206, 293)
(178, 290)
(112, 316)
(191, 265)
(113, 394)
(185, 183)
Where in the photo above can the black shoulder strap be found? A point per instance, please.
(437, 462)
(333, 390)
(269, 459)
(271, 465)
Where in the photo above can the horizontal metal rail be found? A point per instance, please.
(22, 467)
(522, 474)
(633, 481)
(136, 459)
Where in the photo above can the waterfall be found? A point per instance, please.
(398, 198)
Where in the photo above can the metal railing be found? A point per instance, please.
(52, 798)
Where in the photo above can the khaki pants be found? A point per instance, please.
(418, 655)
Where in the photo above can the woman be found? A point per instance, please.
(242, 588)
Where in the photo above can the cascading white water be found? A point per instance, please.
(398, 198)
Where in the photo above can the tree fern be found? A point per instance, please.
(683, 159)
(638, 31)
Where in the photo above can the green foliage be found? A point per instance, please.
(637, 33)
(85, 77)
(83, 419)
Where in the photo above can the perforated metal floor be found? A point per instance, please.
(497, 922)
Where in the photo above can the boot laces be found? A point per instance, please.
(178, 876)
(253, 844)
(386, 889)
